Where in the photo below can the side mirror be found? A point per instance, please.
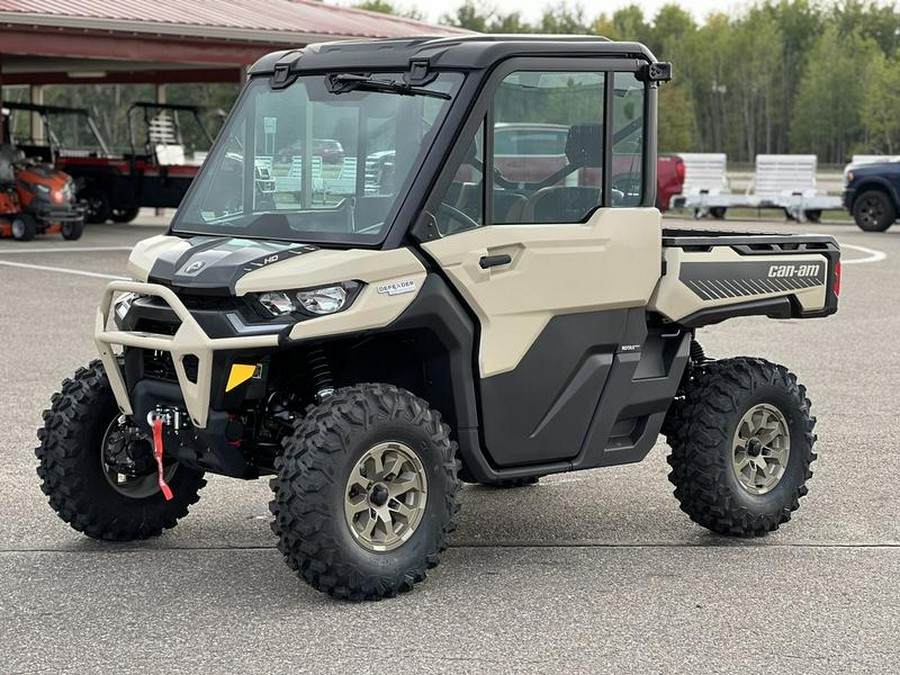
(656, 72)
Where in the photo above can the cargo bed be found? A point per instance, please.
(712, 275)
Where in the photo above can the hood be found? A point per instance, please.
(889, 166)
(210, 265)
(227, 266)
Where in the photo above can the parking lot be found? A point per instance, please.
(590, 572)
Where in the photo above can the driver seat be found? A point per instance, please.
(8, 156)
(572, 203)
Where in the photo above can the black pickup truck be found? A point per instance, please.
(872, 194)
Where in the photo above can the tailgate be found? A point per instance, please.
(712, 276)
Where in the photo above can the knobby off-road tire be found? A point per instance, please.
(71, 467)
(99, 207)
(318, 538)
(704, 434)
(125, 215)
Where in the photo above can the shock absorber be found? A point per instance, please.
(698, 356)
(320, 374)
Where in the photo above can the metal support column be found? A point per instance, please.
(37, 123)
(160, 98)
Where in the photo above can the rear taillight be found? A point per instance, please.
(679, 169)
(837, 278)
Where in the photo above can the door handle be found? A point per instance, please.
(494, 260)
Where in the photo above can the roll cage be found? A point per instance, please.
(484, 60)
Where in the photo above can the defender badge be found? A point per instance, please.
(398, 287)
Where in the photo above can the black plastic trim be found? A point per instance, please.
(437, 309)
(750, 243)
(774, 308)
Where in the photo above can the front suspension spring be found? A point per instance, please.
(320, 374)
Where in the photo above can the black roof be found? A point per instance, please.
(469, 52)
(45, 109)
(197, 109)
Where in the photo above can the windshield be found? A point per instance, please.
(305, 163)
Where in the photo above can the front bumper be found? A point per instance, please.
(189, 340)
(847, 198)
(72, 213)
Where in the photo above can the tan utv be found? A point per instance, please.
(373, 331)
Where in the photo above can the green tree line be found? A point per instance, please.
(785, 76)
(781, 76)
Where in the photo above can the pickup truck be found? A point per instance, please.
(872, 194)
(370, 350)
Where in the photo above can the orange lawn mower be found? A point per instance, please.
(35, 198)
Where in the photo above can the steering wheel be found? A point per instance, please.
(461, 219)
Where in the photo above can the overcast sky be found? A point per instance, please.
(532, 9)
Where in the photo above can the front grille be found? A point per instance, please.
(159, 365)
(159, 327)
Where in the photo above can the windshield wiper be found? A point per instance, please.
(344, 82)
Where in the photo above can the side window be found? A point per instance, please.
(547, 151)
(462, 206)
(548, 147)
(628, 141)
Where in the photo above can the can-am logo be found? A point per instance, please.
(398, 287)
(794, 270)
(194, 267)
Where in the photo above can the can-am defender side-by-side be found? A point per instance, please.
(370, 335)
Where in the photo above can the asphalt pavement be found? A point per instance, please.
(592, 572)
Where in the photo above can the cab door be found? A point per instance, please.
(556, 265)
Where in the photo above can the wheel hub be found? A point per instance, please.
(127, 461)
(761, 449)
(378, 495)
(754, 447)
(385, 496)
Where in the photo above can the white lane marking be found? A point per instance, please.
(65, 249)
(62, 270)
(871, 253)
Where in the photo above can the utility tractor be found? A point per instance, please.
(371, 344)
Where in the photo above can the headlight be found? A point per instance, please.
(40, 187)
(319, 301)
(850, 176)
(326, 300)
(277, 303)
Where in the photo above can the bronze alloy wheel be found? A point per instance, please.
(385, 497)
(762, 448)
